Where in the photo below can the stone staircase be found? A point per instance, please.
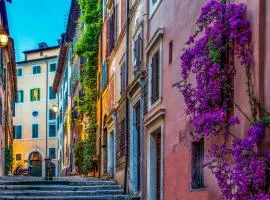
(65, 188)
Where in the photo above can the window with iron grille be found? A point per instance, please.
(122, 137)
(137, 53)
(155, 77)
(197, 165)
(123, 78)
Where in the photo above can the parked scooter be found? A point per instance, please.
(20, 171)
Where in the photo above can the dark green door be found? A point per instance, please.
(36, 167)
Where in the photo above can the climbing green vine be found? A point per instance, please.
(87, 47)
(8, 160)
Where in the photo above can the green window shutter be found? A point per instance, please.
(38, 69)
(32, 94)
(38, 94)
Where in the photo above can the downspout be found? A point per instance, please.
(100, 94)
(127, 99)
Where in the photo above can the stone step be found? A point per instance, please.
(102, 197)
(59, 187)
(59, 182)
(34, 193)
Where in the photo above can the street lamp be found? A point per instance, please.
(4, 38)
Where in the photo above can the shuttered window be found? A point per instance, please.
(104, 75)
(123, 78)
(52, 130)
(53, 67)
(197, 165)
(36, 69)
(52, 94)
(137, 52)
(17, 132)
(155, 77)
(20, 96)
(35, 94)
(34, 130)
(19, 72)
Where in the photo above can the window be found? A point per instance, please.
(170, 52)
(17, 132)
(197, 165)
(35, 113)
(123, 78)
(19, 72)
(137, 53)
(18, 157)
(53, 67)
(155, 77)
(34, 130)
(104, 75)
(35, 94)
(36, 69)
(20, 96)
(52, 94)
(52, 115)
(153, 5)
(52, 153)
(52, 130)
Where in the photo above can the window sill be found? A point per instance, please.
(196, 189)
(154, 105)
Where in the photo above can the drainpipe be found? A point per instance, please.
(127, 100)
(100, 95)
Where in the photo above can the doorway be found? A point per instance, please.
(111, 152)
(36, 163)
(155, 166)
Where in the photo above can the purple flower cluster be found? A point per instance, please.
(207, 75)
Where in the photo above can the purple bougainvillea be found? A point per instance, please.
(207, 71)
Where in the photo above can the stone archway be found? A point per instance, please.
(41, 158)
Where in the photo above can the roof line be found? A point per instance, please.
(42, 49)
(34, 60)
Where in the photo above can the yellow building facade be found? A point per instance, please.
(29, 146)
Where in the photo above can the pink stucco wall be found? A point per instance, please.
(178, 20)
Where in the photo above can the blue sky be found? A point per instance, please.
(34, 21)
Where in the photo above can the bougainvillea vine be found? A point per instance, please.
(207, 75)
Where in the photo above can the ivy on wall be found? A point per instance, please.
(8, 160)
(87, 47)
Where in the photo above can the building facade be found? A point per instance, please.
(8, 91)
(33, 117)
(68, 88)
(143, 139)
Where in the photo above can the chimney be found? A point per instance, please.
(42, 45)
